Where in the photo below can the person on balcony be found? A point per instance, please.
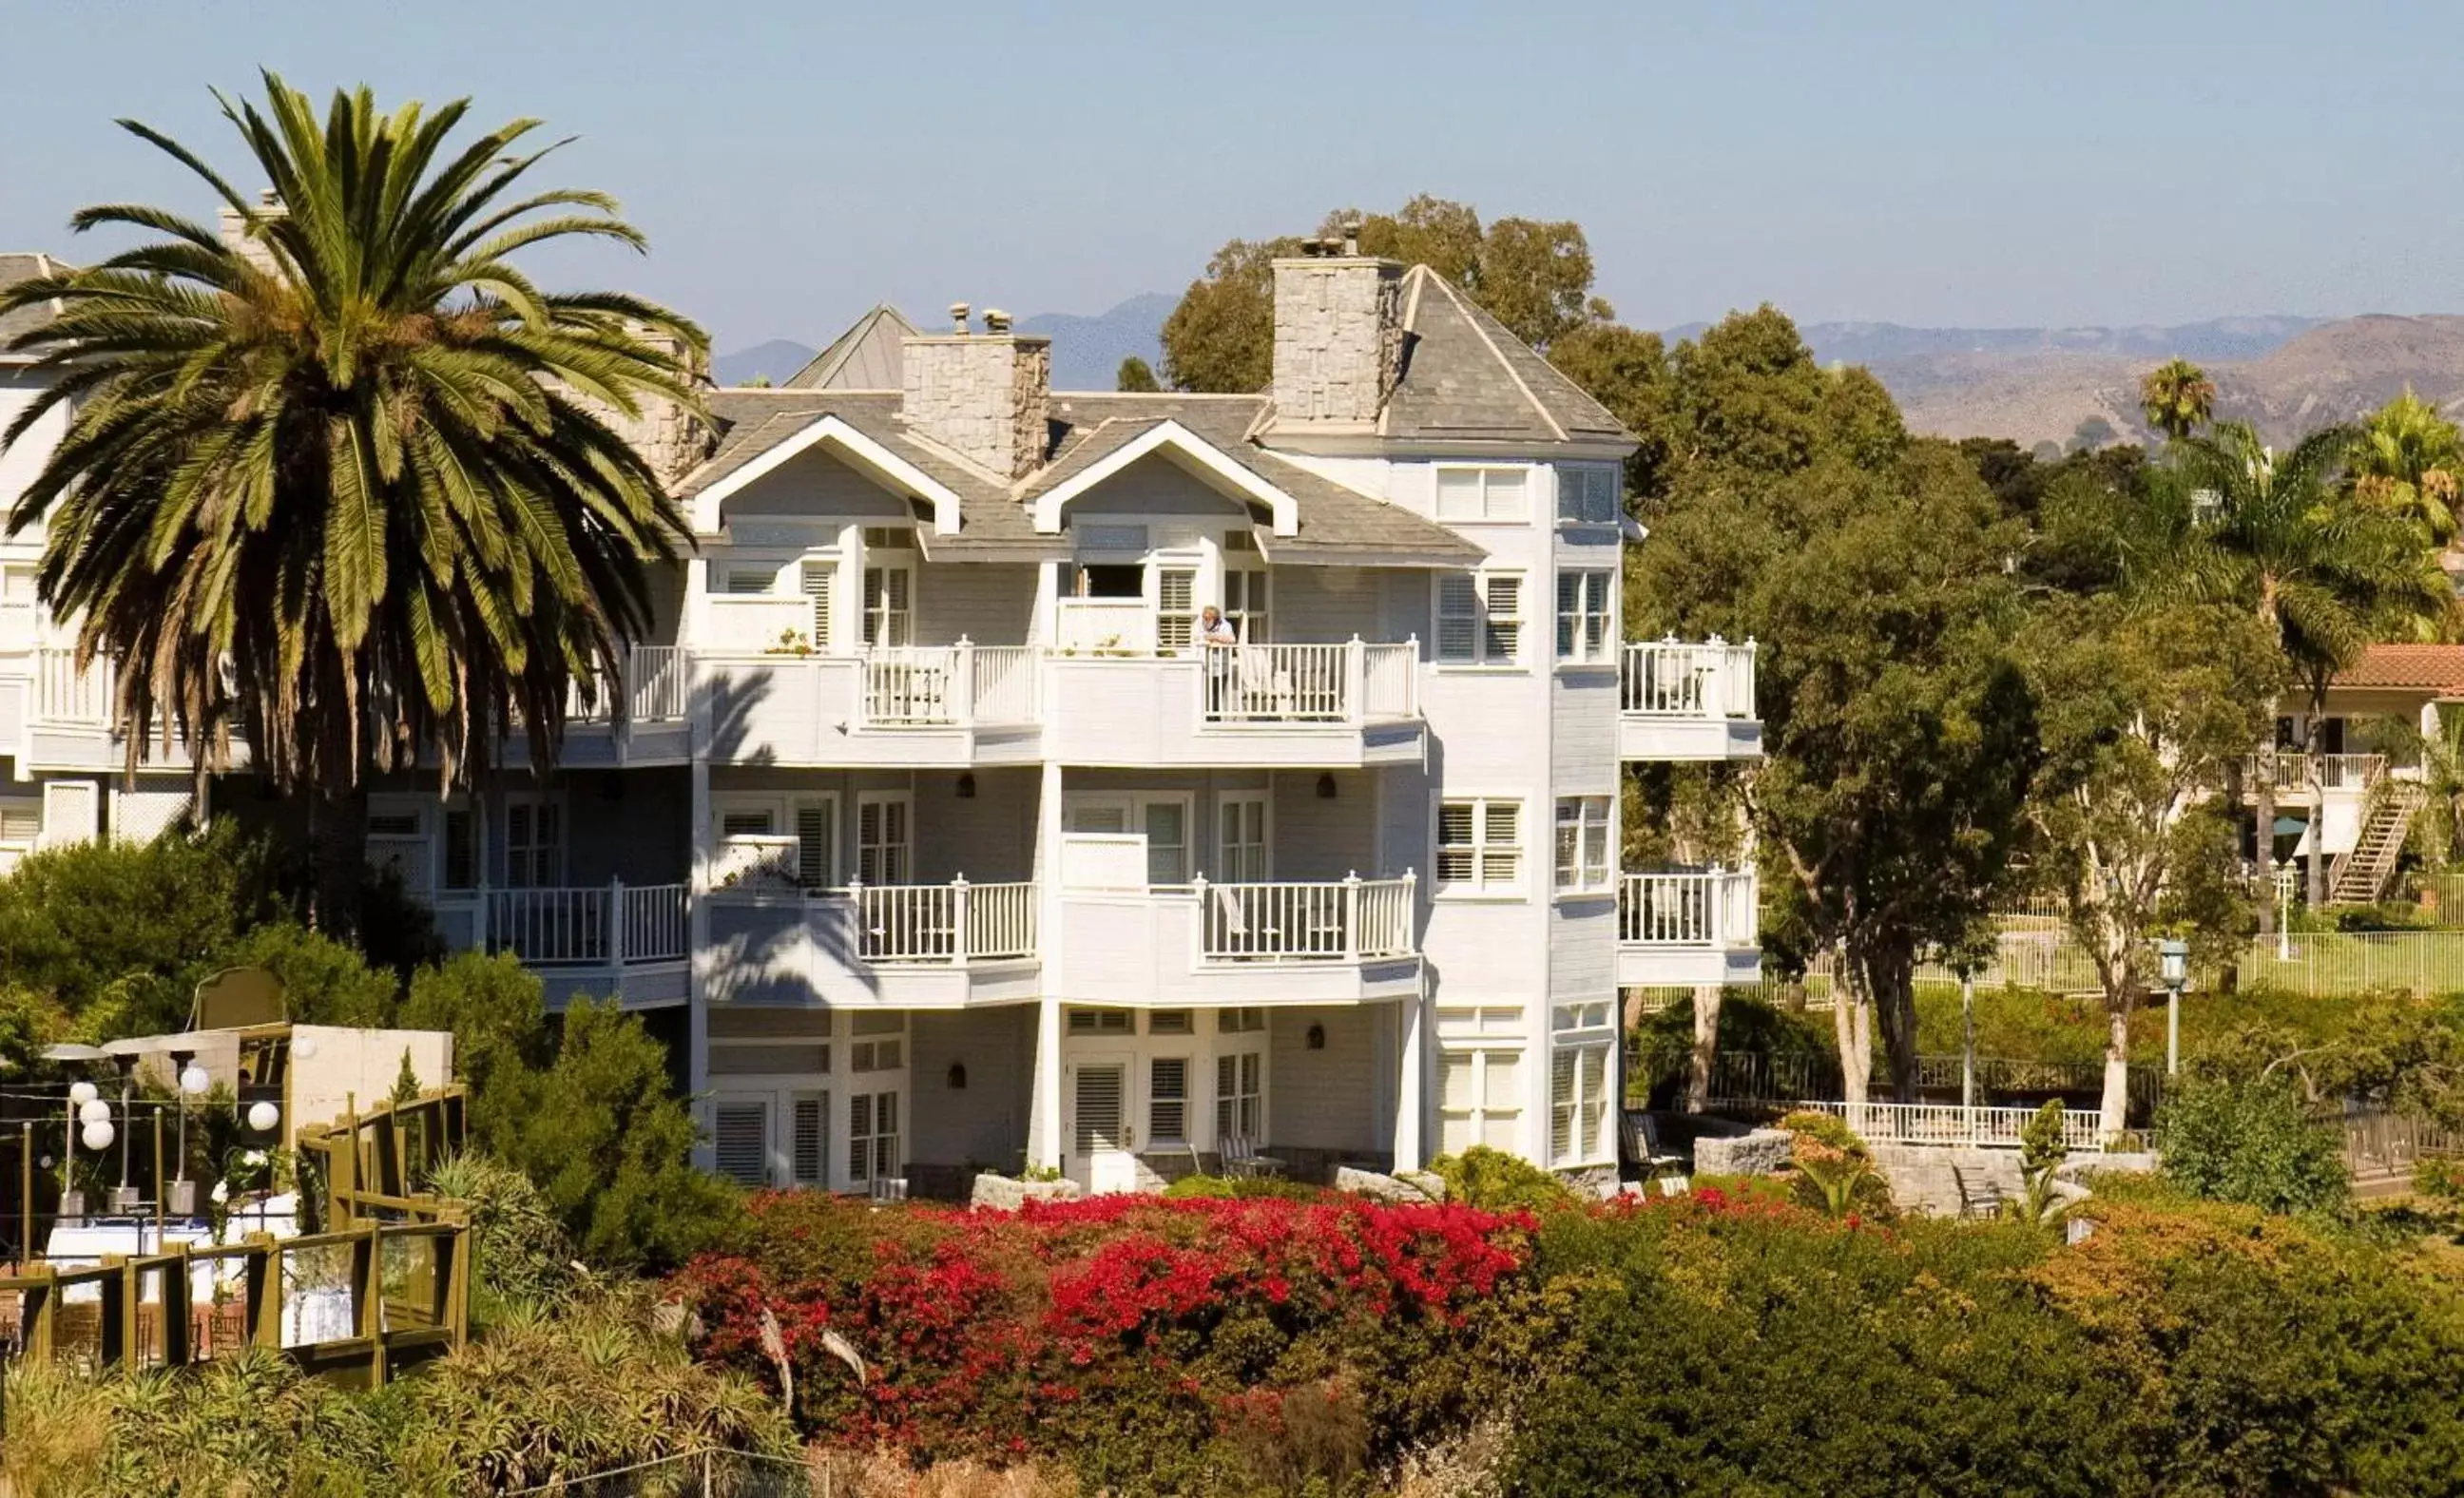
(1216, 634)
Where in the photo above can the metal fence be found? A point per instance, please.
(698, 1474)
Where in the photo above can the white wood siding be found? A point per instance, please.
(1327, 604)
(1582, 733)
(814, 483)
(985, 1122)
(1322, 1099)
(987, 602)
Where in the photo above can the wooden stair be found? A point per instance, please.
(2359, 876)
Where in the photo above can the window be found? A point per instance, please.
(1480, 618)
(745, 580)
(1589, 495)
(808, 1145)
(815, 579)
(1481, 494)
(1240, 837)
(1168, 1100)
(889, 616)
(817, 843)
(1585, 616)
(1244, 602)
(1480, 1098)
(393, 824)
(21, 821)
(740, 1135)
(747, 821)
(1248, 1019)
(1167, 831)
(1239, 1096)
(1480, 846)
(461, 848)
(883, 845)
(1099, 1022)
(872, 1137)
(885, 1051)
(1171, 1021)
(1583, 843)
(1578, 1083)
(534, 843)
(1175, 609)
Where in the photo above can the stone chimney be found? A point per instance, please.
(235, 233)
(1338, 335)
(982, 395)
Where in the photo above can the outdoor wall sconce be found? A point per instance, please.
(966, 785)
(1317, 1037)
(1326, 786)
(958, 1076)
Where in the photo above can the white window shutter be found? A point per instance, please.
(72, 812)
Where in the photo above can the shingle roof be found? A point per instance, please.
(866, 357)
(1465, 377)
(2421, 667)
(15, 267)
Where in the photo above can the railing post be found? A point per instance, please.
(1715, 679)
(479, 920)
(1356, 681)
(1745, 704)
(962, 680)
(263, 1271)
(1351, 910)
(1715, 908)
(1411, 932)
(615, 926)
(958, 920)
(1205, 918)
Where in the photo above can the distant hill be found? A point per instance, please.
(776, 359)
(1086, 352)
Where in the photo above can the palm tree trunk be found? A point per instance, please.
(338, 849)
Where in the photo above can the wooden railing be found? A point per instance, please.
(1947, 1123)
(570, 926)
(952, 923)
(87, 698)
(2294, 771)
(1713, 908)
(1350, 919)
(1344, 683)
(935, 686)
(655, 686)
(1671, 678)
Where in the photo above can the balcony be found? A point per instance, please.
(1210, 944)
(1685, 701)
(1688, 929)
(627, 940)
(656, 691)
(909, 706)
(2305, 776)
(916, 946)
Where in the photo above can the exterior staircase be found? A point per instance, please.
(2357, 877)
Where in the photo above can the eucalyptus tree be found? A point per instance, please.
(348, 484)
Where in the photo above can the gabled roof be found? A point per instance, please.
(1465, 377)
(2437, 669)
(18, 266)
(866, 357)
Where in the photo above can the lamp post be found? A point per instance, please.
(193, 1082)
(2173, 966)
(2284, 912)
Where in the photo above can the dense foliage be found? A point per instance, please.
(2251, 1139)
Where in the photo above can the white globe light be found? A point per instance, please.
(194, 1080)
(94, 1110)
(97, 1135)
(263, 1116)
(304, 1049)
(83, 1093)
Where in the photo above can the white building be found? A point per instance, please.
(942, 838)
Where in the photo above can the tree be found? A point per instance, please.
(2408, 461)
(2091, 433)
(349, 487)
(1135, 375)
(2227, 519)
(2177, 398)
(1533, 277)
(2145, 715)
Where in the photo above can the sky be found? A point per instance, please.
(1972, 162)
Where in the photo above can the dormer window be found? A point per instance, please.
(1482, 494)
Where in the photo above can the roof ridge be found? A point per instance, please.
(1502, 363)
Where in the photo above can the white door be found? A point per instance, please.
(1240, 837)
(1100, 1138)
(534, 843)
(884, 837)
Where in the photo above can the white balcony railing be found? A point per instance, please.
(1714, 909)
(2294, 771)
(1311, 683)
(1346, 920)
(1105, 627)
(1670, 678)
(571, 925)
(1949, 1123)
(63, 694)
(656, 687)
(938, 686)
(954, 923)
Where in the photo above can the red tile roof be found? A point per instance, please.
(2422, 668)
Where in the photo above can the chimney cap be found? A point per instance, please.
(1351, 235)
(996, 321)
(958, 316)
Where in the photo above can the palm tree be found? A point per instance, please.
(2177, 398)
(350, 484)
(2282, 535)
(2409, 460)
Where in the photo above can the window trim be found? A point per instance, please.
(1604, 608)
(1480, 888)
(1606, 827)
(1478, 1115)
(1615, 477)
(502, 848)
(1574, 1041)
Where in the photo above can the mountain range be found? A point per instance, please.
(2032, 384)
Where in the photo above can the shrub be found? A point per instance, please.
(1240, 1187)
(1835, 1169)
(2251, 1141)
(323, 980)
(1493, 1179)
(524, 1259)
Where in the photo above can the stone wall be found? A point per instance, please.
(1338, 338)
(983, 396)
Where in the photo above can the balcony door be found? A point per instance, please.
(1162, 817)
(1242, 853)
(884, 837)
(534, 842)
